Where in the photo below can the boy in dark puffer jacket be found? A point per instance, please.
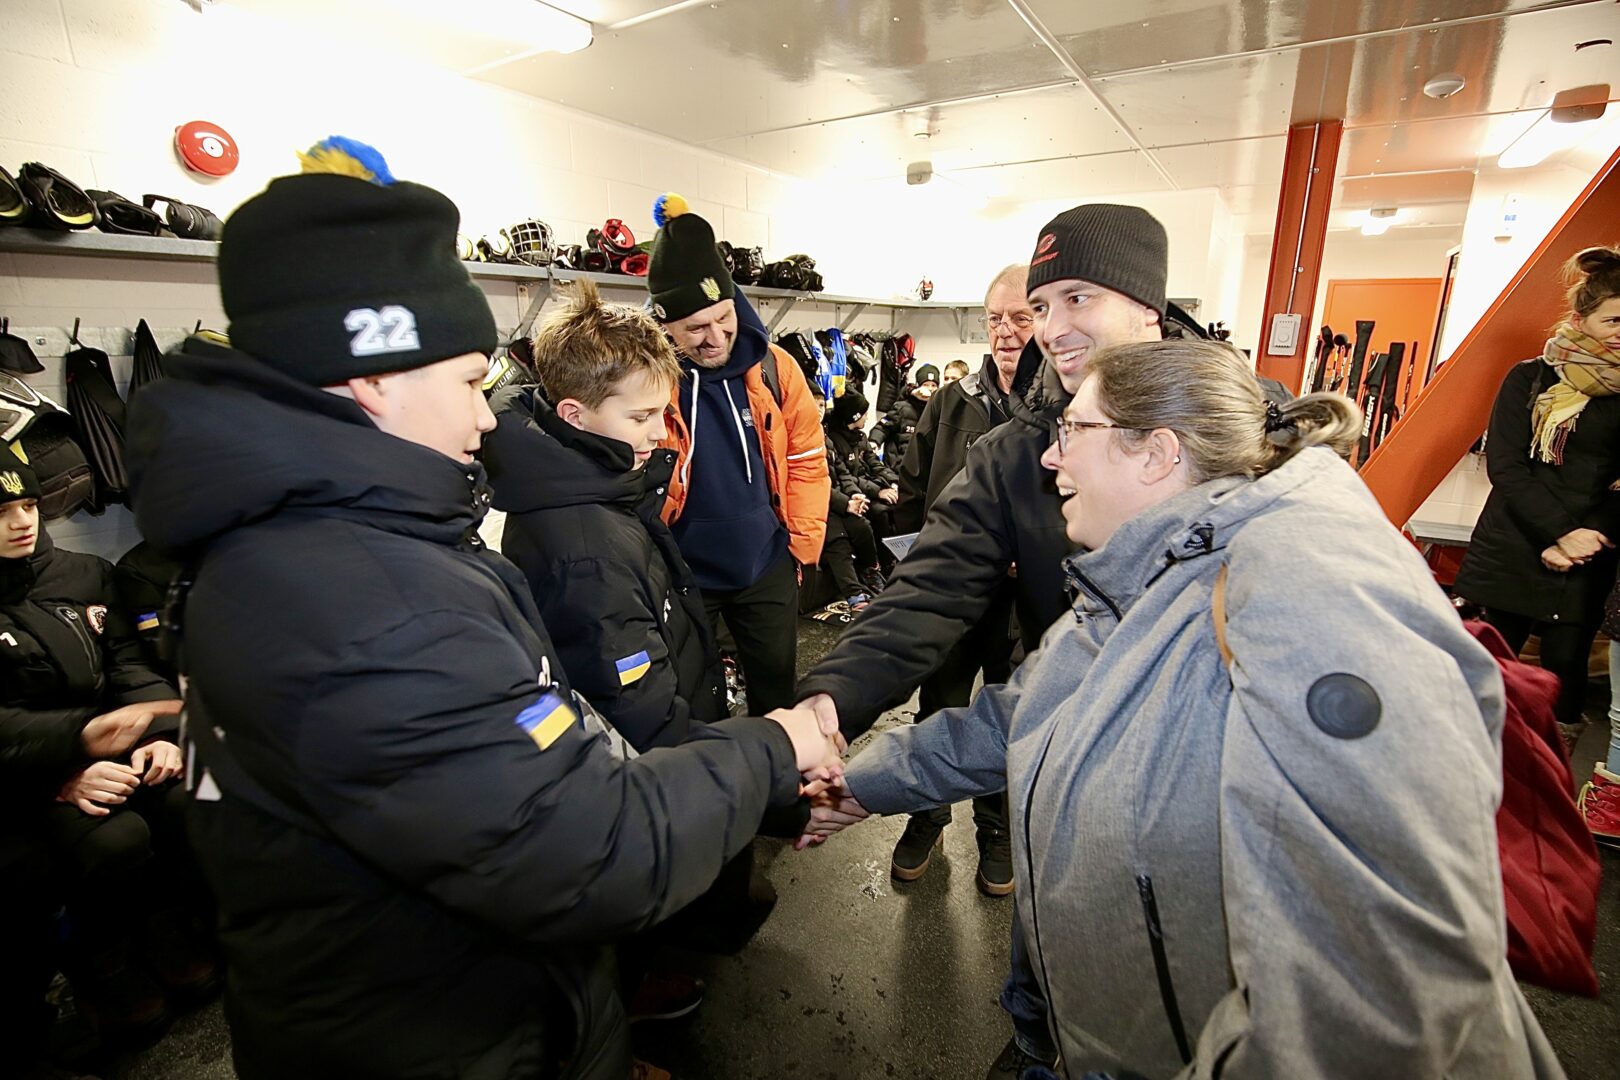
(577, 467)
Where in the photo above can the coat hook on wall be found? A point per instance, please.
(74, 337)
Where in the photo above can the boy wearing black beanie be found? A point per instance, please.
(414, 829)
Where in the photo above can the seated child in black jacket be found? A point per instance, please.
(90, 763)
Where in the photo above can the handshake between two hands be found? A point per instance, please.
(818, 749)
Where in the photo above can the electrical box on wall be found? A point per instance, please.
(1508, 224)
(1284, 339)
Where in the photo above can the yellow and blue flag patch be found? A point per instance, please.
(149, 621)
(632, 668)
(547, 719)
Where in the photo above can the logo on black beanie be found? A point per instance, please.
(711, 288)
(12, 482)
(1043, 250)
(376, 333)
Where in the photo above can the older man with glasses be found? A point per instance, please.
(954, 420)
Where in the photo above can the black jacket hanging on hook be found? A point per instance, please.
(98, 418)
(16, 354)
(148, 359)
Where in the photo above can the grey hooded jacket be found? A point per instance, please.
(1287, 868)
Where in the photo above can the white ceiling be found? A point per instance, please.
(1039, 99)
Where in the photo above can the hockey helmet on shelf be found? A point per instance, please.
(531, 242)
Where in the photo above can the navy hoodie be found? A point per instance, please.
(728, 530)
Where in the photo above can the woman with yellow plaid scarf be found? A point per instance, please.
(1542, 558)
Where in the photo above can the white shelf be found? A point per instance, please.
(51, 242)
(93, 244)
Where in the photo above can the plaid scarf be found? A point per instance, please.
(1586, 369)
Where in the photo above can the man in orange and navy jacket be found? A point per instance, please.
(748, 502)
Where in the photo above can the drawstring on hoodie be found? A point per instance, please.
(742, 437)
(691, 427)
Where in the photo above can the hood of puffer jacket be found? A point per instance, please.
(17, 576)
(226, 441)
(538, 461)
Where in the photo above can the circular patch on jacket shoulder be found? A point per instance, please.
(1344, 706)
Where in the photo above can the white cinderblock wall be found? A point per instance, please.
(94, 88)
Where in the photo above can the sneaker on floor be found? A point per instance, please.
(995, 862)
(874, 579)
(916, 848)
(837, 612)
(665, 996)
(1599, 804)
(180, 957)
(1571, 734)
(124, 1004)
(73, 1037)
(858, 601)
(736, 688)
(1012, 1062)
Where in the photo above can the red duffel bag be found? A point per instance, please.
(1550, 866)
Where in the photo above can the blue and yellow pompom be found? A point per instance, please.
(347, 157)
(667, 207)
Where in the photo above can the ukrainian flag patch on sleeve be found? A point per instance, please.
(632, 668)
(149, 621)
(547, 719)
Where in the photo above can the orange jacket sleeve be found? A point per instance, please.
(804, 503)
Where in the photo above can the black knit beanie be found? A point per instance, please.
(1123, 248)
(925, 373)
(847, 409)
(17, 481)
(687, 273)
(330, 277)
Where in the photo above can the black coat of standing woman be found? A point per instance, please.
(1542, 557)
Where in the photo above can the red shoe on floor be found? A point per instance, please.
(1599, 803)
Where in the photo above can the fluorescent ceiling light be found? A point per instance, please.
(531, 26)
(1540, 141)
(1378, 220)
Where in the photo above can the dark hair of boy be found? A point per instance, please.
(585, 348)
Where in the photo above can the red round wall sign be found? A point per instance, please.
(206, 148)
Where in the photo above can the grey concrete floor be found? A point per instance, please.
(856, 976)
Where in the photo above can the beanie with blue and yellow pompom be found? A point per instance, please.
(343, 271)
(687, 272)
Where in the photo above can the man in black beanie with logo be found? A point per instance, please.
(415, 831)
(748, 502)
(1096, 278)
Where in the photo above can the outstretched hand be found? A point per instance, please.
(813, 748)
(833, 809)
(826, 711)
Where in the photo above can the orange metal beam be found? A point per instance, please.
(1456, 406)
(1309, 164)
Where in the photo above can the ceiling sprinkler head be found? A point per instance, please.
(1443, 86)
(924, 125)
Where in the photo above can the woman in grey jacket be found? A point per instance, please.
(1235, 854)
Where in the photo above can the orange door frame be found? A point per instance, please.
(1310, 162)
